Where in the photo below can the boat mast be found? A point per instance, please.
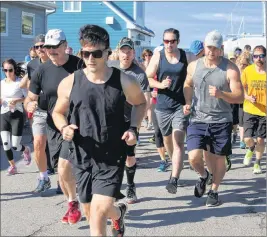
(264, 9)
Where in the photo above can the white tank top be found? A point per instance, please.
(10, 91)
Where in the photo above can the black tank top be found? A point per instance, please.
(98, 111)
(173, 97)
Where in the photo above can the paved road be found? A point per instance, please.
(157, 213)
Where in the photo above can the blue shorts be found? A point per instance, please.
(216, 135)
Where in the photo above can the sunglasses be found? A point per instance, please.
(96, 54)
(7, 70)
(261, 56)
(53, 46)
(38, 46)
(169, 41)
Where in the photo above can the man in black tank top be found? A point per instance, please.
(169, 65)
(46, 78)
(126, 64)
(95, 98)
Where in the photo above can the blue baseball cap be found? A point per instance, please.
(196, 47)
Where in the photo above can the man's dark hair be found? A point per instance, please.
(174, 31)
(94, 34)
(247, 47)
(260, 47)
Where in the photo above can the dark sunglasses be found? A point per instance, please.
(53, 46)
(261, 56)
(169, 41)
(96, 54)
(38, 46)
(7, 70)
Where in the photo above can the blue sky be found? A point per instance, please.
(195, 19)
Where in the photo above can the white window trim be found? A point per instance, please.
(33, 25)
(6, 11)
(72, 6)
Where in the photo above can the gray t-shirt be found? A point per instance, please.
(135, 71)
(138, 73)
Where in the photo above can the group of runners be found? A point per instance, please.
(86, 112)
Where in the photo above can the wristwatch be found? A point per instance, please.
(134, 130)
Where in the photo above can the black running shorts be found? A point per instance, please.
(98, 178)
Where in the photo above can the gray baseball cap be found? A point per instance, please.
(214, 38)
(54, 37)
(39, 38)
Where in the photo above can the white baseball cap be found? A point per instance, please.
(214, 38)
(54, 37)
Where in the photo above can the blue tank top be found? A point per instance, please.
(173, 97)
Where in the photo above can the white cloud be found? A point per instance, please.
(225, 17)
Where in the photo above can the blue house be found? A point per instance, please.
(118, 18)
(20, 23)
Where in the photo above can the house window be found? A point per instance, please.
(27, 25)
(4, 22)
(72, 6)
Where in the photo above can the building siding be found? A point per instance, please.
(91, 13)
(14, 45)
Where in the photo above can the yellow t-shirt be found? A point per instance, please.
(254, 84)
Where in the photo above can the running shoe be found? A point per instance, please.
(131, 197)
(118, 226)
(27, 155)
(248, 157)
(257, 169)
(12, 170)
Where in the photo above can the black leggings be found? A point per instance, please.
(158, 134)
(12, 122)
(12, 127)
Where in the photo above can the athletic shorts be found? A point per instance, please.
(57, 146)
(241, 116)
(254, 125)
(99, 178)
(217, 136)
(235, 114)
(168, 121)
(39, 123)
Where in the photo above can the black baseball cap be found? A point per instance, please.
(125, 41)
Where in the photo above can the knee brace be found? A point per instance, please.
(16, 143)
(5, 135)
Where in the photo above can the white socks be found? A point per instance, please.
(44, 175)
(205, 175)
(73, 200)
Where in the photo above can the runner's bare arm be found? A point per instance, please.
(62, 104)
(236, 96)
(188, 84)
(151, 71)
(24, 83)
(31, 97)
(135, 97)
